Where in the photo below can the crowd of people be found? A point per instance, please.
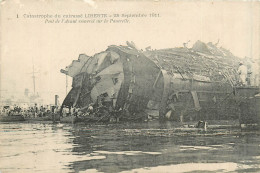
(31, 111)
(43, 111)
(76, 111)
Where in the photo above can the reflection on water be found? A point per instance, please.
(143, 147)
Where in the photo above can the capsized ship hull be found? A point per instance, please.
(180, 84)
(119, 78)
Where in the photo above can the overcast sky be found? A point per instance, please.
(53, 46)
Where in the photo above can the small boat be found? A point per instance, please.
(47, 118)
(68, 119)
(12, 118)
(84, 119)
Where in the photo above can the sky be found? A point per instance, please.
(52, 46)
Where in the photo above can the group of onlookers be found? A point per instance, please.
(43, 111)
(33, 111)
(76, 111)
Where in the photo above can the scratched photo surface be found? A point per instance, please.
(129, 86)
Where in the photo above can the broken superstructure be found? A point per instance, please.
(181, 84)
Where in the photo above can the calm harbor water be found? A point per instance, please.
(139, 147)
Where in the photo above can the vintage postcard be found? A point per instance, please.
(129, 86)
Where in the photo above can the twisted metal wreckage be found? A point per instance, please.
(181, 84)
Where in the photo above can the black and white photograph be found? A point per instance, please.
(121, 86)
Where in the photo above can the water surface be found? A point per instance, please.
(139, 147)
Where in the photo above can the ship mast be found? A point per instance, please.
(33, 77)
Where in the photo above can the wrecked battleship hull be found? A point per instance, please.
(180, 84)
